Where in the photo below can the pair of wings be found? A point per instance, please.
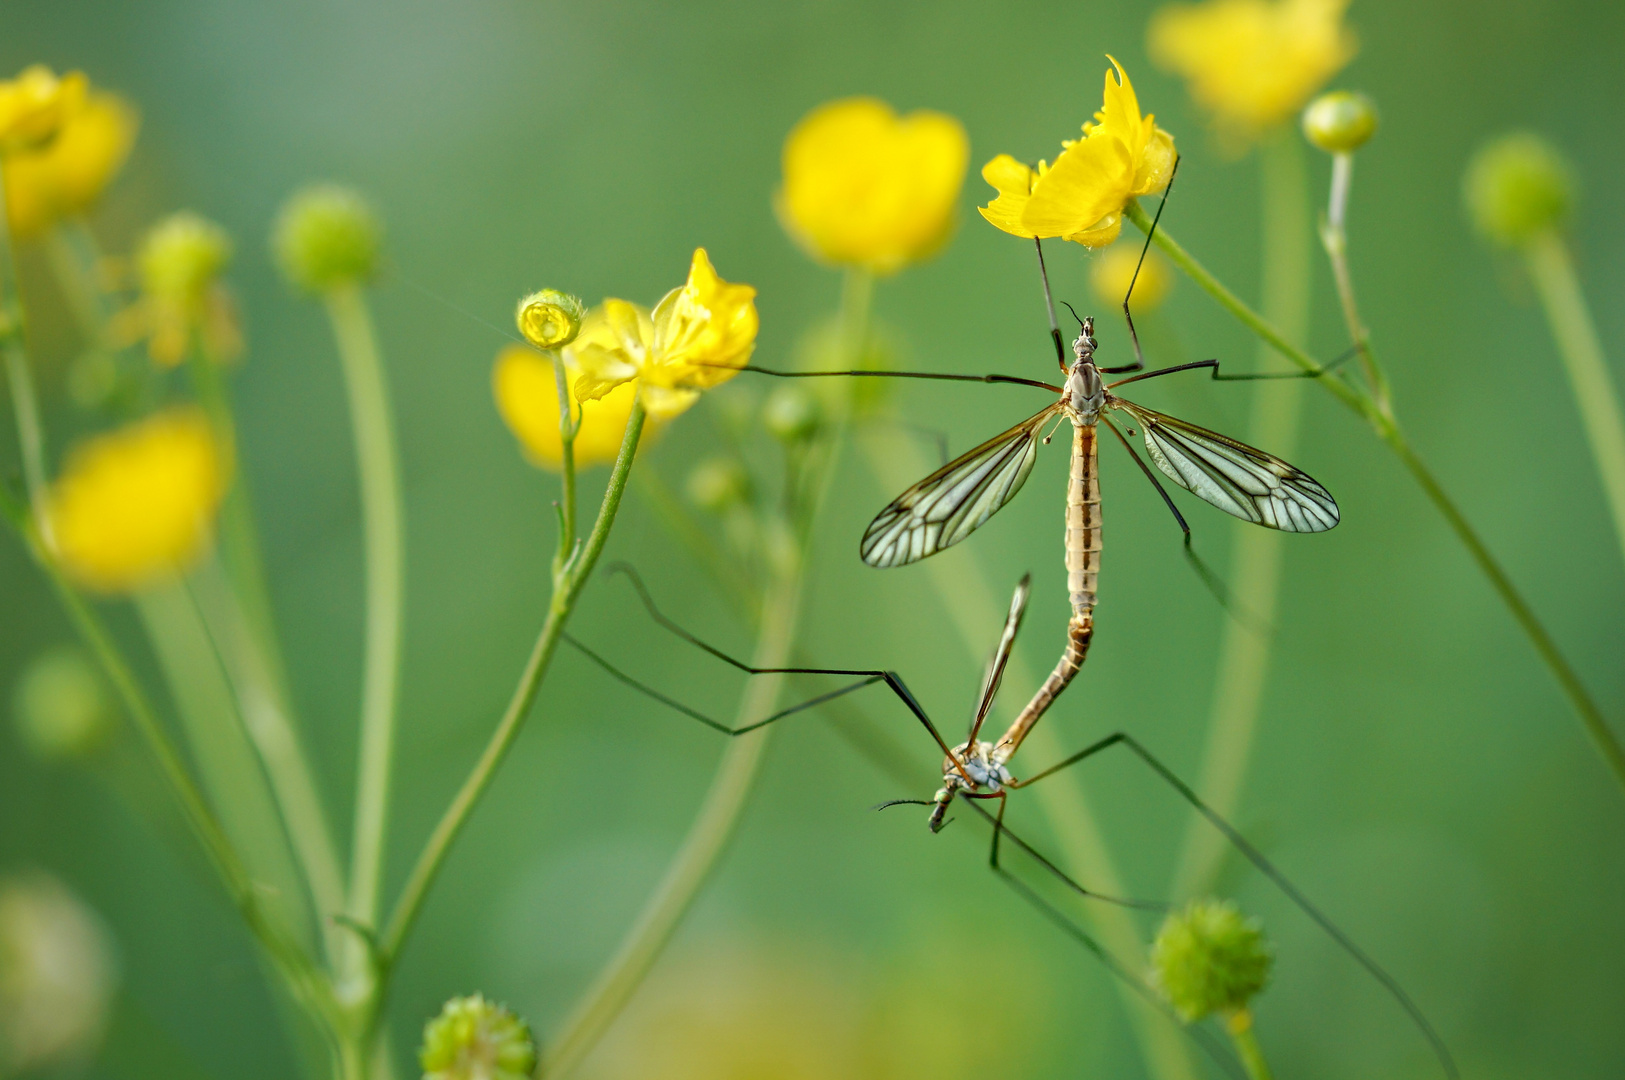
(958, 498)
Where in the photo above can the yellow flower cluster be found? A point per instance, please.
(1121, 156)
(61, 143)
(180, 263)
(866, 187)
(139, 502)
(1252, 63)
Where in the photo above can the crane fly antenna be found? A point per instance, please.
(1075, 314)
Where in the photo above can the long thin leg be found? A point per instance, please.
(1133, 335)
(859, 374)
(1218, 376)
(1049, 306)
(1269, 870)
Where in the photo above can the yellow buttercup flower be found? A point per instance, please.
(697, 337)
(1252, 63)
(34, 105)
(866, 187)
(138, 503)
(1121, 156)
(58, 178)
(528, 399)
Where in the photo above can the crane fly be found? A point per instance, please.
(972, 770)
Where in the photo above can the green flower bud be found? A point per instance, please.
(1517, 186)
(61, 705)
(57, 976)
(325, 237)
(718, 484)
(1340, 121)
(791, 414)
(472, 1039)
(180, 256)
(1209, 958)
(550, 319)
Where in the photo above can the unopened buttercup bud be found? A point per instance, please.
(180, 257)
(717, 484)
(327, 237)
(61, 705)
(474, 1039)
(791, 414)
(1340, 122)
(550, 319)
(1516, 187)
(1209, 958)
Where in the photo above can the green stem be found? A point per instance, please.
(707, 837)
(382, 530)
(567, 469)
(468, 796)
(1594, 393)
(1334, 238)
(1387, 429)
(19, 372)
(1244, 650)
(1240, 1026)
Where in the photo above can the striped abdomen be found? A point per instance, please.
(1082, 576)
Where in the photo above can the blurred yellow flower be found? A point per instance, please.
(34, 105)
(59, 177)
(528, 399)
(1252, 63)
(1113, 269)
(1081, 197)
(866, 187)
(696, 338)
(139, 502)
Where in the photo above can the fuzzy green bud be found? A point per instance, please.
(718, 484)
(474, 1039)
(550, 319)
(1210, 958)
(1516, 187)
(1340, 122)
(181, 256)
(61, 705)
(326, 237)
(791, 414)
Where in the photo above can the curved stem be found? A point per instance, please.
(1240, 1026)
(1387, 429)
(19, 374)
(1594, 393)
(382, 529)
(456, 815)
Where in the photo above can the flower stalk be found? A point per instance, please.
(19, 373)
(1239, 1024)
(1388, 430)
(567, 471)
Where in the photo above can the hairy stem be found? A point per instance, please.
(1244, 650)
(1552, 269)
(1388, 430)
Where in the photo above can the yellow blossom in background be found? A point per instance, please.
(179, 265)
(1121, 156)
(34, 105)
(1252, 63)
(139, 502)
(697, 337)
(1113, 269)
(528, 399)
(60, 177)
(866, 187)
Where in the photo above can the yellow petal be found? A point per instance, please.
(1014, 183)
(612, 348)
(703, 332)
(528, 399)
(1088, 181)
(65, 176)
(1156, 164)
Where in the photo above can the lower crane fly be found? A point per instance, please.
(972, 770)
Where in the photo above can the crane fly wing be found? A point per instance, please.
(954, 501)
(1001, 653)
(1237, 478)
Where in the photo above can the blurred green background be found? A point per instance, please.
(1416, 769)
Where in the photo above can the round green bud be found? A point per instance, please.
(180, 256)
(58, 977)
(326, 237)
(61, 705)
(473, 1039)
(550, 319)
(1209, 958)
(791, 414)
(1340, 121)
(1516, 187)
(718, 484)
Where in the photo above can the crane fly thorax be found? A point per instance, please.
(982, 762)
(1085, 393)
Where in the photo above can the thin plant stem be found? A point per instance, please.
(19, 372)
(1240, 1026)
(429, 861)
(1244, 649)
(1334, 238)
(707, 837)
(1389, 431)
(1552, 269)
(382, 530)
(567, 467)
